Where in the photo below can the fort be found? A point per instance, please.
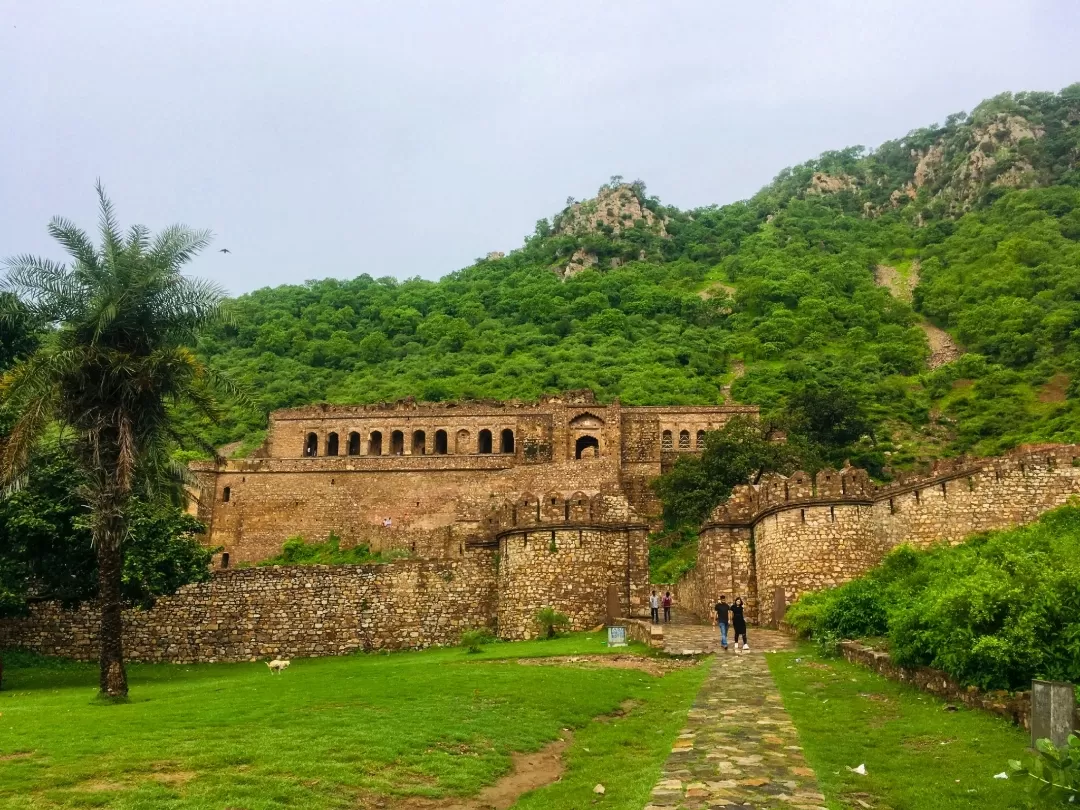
(506, 507)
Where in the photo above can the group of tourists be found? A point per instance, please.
(738, 622)
(656, 602)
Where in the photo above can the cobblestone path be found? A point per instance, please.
(739, 748)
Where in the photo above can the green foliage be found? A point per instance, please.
(46, 550)
(742, 451)
(296, 551)
(474, 640)
(995, 611)
(672, 553)
(551, 621)
(1053, 773)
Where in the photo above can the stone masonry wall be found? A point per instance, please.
(569, 569)
(725, 567)
(816, 533)
(289, 612)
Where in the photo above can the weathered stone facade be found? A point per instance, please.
(437, 470)
(285, 612)
(796, 534)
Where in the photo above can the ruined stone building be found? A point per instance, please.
(444, 475)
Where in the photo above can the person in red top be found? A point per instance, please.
(667, 606)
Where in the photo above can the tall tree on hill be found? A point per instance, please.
(113, 362)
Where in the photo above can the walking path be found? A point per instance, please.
(739, 748)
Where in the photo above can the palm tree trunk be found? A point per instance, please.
(109, 539)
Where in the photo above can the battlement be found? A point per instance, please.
(751, 502)
(554, 511)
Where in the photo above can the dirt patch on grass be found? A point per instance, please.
(100, 786)
(715, 289)
(528, 772)
(926, 742)
(173, 777)
(1053, 390)
(16, 756)
(653, 666)
(901, 285)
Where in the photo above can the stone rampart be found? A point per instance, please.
(802, 534)
(288, 612)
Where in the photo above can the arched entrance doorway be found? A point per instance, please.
(587, 447)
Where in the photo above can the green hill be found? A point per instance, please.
(828, 281)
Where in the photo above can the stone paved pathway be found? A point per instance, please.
(739, 748)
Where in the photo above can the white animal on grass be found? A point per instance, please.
(277, 665)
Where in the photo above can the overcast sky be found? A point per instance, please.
(339, 137)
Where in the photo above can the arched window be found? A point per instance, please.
(397, 443)
(332, 444)
(665, 441)
(419, 443)
(354, 444)
(311, 445)
(684, 439)
(484, 441)
(461, 442)
(506, 445)
(375, 443)
(701, 440)
(587, 447)
(440, 443)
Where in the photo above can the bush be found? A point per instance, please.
(994, 612)
(551, 621)
(1054, 772)
(473, 640)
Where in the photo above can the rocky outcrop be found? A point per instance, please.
(613, 210)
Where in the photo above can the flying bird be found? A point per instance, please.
(224, 250)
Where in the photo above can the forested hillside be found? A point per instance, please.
(770, 301)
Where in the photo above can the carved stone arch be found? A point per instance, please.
(587, 421)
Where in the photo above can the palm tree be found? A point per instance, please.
(114, 361)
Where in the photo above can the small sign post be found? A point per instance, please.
(616, 636)
(1053, 708)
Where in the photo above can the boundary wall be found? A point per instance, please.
(532, 553)
(772, 541)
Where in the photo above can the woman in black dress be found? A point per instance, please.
(738, 620)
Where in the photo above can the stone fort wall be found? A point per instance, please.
(797, 534)
(535, 553)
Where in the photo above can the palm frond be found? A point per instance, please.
(178, 244)
(75, 241)
(107, 222)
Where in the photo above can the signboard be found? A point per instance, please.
(616, 636)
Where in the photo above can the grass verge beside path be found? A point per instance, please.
(918, 756)
(335, 732)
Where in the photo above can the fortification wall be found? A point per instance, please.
(433, 509)
(812, 534)
(289, 612)
(569, 568)
(725, 567)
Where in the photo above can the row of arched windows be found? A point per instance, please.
(667, 440)
(375, 445)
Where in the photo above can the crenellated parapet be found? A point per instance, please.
(556, 510)
(749, 503)
(786, 535)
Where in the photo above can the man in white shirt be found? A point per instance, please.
(654, 606)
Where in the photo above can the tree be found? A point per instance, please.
(739, 453)
(113, 363)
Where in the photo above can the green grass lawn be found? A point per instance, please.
(334, 732)
(918, 756)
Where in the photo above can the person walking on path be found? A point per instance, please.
(722, 609)
(667, 606)
(654, 606)
(739, 621)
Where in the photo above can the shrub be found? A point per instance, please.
(473, 640)
(827, 644)
(551, 621)
(1054, 772)
(994, 612)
